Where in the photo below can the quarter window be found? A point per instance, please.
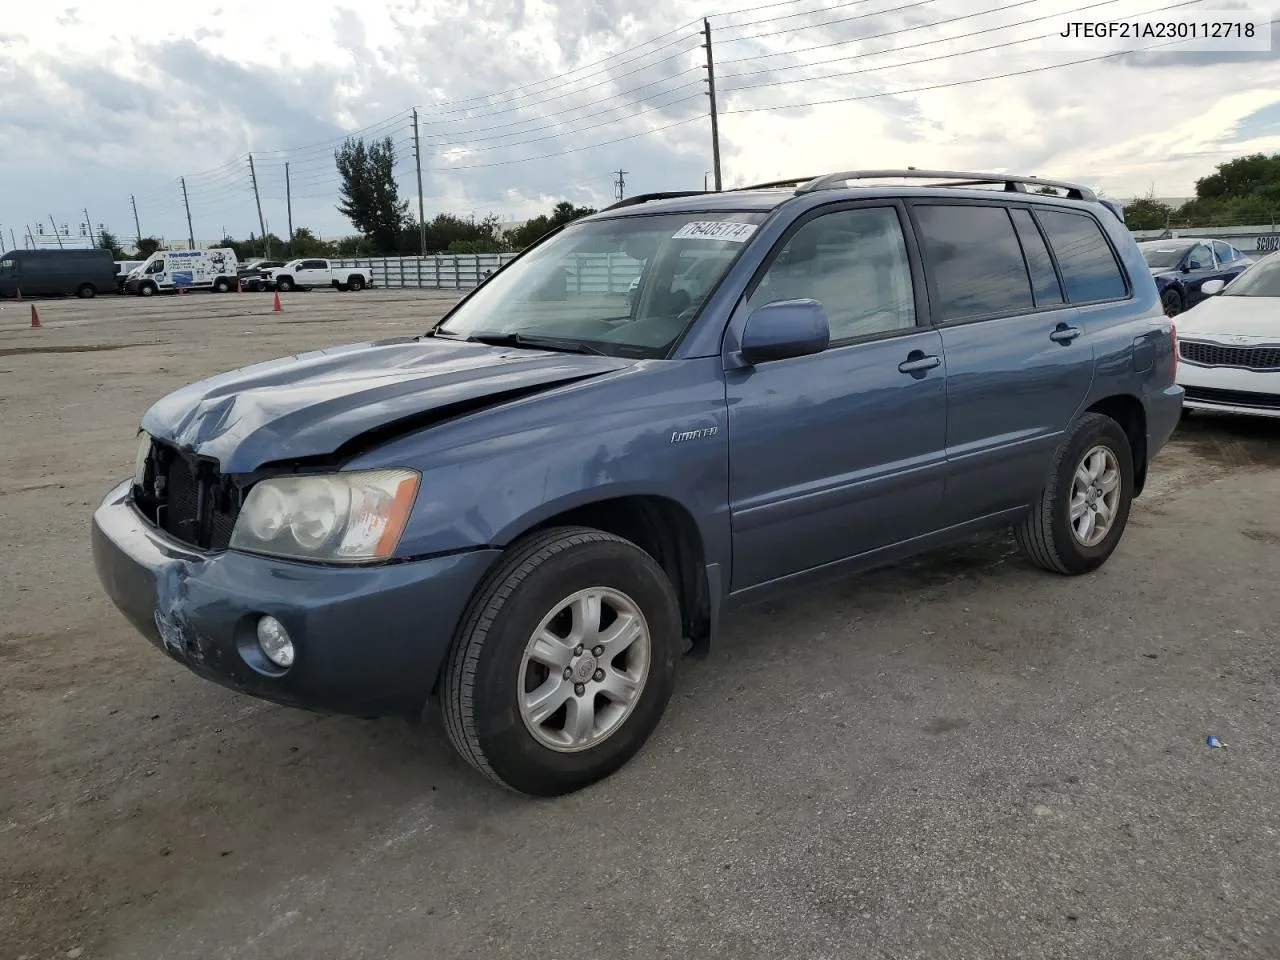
(1089, 268)
(976, 261)
(853, 262)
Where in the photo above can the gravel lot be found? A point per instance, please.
(958, 757)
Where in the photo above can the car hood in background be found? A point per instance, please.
(1256, 319)
(311, 405)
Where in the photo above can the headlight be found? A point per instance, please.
(338, 517)
(140, 459)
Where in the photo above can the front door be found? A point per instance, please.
(311, 273)
(838, 453)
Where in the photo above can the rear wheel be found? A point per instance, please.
(565, 662)
(221, 285)
(1081, 514)
(1171, 300)
(356, 283)
(86, 291)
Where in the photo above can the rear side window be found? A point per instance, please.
(1044, 282)
(976, 261)
(1089, 268)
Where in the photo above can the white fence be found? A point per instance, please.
(591, 275)
(613, 273)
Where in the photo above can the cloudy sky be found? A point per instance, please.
(525, 102)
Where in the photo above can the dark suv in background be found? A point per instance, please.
(532, 510)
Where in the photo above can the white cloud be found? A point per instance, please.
(99, 101)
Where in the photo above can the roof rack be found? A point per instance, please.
(1012, 182)
(646, 197)
(790, 182)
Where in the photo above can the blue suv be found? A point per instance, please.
(531, 512)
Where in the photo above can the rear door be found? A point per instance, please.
(838, 453)
(1019, 359)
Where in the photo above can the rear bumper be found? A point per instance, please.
(369, 641)
(1164, 411)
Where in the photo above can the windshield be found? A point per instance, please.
(629, 285)
(1260, 280)
(1163, 255)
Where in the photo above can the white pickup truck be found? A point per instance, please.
(307, 273)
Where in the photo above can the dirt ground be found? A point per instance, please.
(956, 757)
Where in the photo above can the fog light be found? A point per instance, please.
(274, 640)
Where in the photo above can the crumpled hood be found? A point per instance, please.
(312, 404)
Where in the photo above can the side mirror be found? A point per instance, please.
(788, 328)
(1210, 287)
(1190, 265)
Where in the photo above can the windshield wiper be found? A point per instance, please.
(564, 345)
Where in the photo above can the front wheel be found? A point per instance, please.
(87, 291)
(1081, 514)
(284, 284)
(147, 290)
(564, 664)
(1171, 300)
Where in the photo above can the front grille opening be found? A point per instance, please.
(1219, 355)
(188, 498)
(1234, 398)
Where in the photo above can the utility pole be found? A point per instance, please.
(417, 160)
(55, 231)
(13, 238)
(288, 203)
(711, 92)
(262, 224)
(191, 233)
(620, 185)
(137, 229)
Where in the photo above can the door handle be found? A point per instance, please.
(1065, 334)
(918, 363)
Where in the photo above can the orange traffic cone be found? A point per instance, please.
(35, 317)
(239, 287)
(277, 308)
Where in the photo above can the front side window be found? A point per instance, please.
(6, 266)
(976, 261)
(156, 267)
(853, 262)
(1089, 268)
(577, 285)
(1200, 258)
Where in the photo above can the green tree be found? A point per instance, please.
(531, 231)
(107, 241)
(449, 233)
(306, 244)
(146, 246)
(1147, 213)
(349, 247)
(370, 196)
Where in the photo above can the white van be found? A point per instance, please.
(171, 270)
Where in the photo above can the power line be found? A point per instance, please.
(954, 83)
(945, 56)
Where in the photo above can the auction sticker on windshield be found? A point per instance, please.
(715, 230)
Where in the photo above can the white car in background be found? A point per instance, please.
(1229, 344)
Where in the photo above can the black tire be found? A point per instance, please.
(147, 290)
(86, 291)
(480, 678)
(1171, 300)
(284, 284)
(355, 283)
(221, 285)
(1045, 534)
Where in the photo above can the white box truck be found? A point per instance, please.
(167, 271)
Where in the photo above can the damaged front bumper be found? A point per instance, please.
(369, 640)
